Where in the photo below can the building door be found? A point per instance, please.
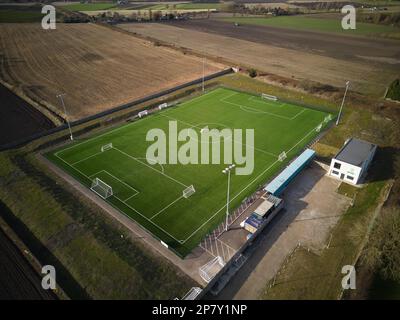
(341, 176)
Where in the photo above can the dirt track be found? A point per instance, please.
(98, 68)
(293, 55)
(18, 119)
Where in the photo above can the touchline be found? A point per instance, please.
(195, 148)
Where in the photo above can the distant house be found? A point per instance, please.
(352, 161)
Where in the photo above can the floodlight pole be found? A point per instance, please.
(60, 96)
(228, 170)
(341, 107)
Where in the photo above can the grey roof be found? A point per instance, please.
(355, 151)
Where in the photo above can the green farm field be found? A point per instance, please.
(89, 6)
(188, 6)
(316, 24)
(152, 193)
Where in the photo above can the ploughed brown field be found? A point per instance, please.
(98, 68)
(369, 63)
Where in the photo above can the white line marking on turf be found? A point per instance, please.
(176, 200)
(275, 105)
(125, 125)
(252, 110)
(126, 204)
(87, 158)
(255, 179)
(237, 142)
(160, 172)
(160, 228)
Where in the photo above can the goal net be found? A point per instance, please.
(106, 147)
(210, 269)
(101, 188)
(282, 156)
(163, 106)
(266, 96)
(143, 113)
(188, 191)
(319, 127)
(192, 294)
(328, 118)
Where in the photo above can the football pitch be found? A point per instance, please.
(152, 194)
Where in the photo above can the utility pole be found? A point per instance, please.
(60, 96)
(341, 107)
(228, 170)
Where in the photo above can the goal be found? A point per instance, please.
(282, 156)
(163, 106)
(266, 96)
(204, 129)
(210, 269)
(101, 188)
(319, 127)
(106, 147)
(192, 294)
(143, 113)
(188, 191)
(328, 118)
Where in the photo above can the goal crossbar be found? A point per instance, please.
(186, 193)
(101, 188)
(106, 147)
(268, 97)
(143, 113)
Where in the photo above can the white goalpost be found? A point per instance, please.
(163, 106)
(210, 269)
(266, 96)
(282, 156)
(106, 147)
(319, 127)
(101, 188)
(188, 191)
(143, 113)
(328, 118)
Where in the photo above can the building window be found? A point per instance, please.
(337, 165)
(335, 172)
(350, 178)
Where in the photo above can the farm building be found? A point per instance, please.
(276, 186)
(352, 160)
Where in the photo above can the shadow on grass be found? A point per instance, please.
(383, 166)
(67, 282)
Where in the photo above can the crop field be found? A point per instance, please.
(152, 193)
(96, 67)
(370, 64)
(316, 24)
(89, 6)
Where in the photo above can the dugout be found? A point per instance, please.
(276, 186)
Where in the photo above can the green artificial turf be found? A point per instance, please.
(151, 194)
